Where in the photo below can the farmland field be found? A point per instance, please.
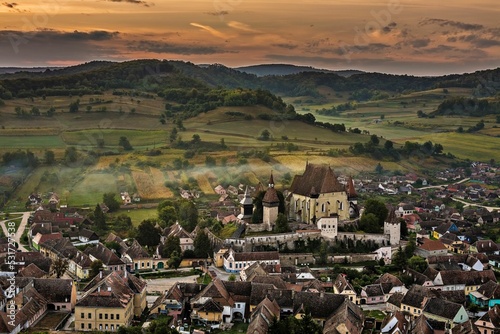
(150, 184)
(89, 191)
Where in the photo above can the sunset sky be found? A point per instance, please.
(420, 37)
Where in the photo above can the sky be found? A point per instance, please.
(416, 37)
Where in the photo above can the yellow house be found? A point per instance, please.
(342, 287)
(317, 194)
(208, 312)
(110, 301)
(219, 257)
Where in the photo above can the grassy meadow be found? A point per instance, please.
(137, 171)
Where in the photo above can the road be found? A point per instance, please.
(489, 208)
(20, 230)
(444, 185)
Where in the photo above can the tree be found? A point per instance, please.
(50, 157)
(188, 215)
(172, 244)
(281, 224)
(173, 135)
(323, 253)
(147, 234)
(125, 143)
(388, 145)
(196, 139)
(403, 228)
(167, 215)
(378, 208)
(265, 135)
(174, 261)
(59, 266)
(374, 140)
(210, 161)
(369, 223)
(202, 245)
(122, 223)
(110, 201)
(99, 219)
(231, 278)
(379, 169)
(95, 267)
(417, 263)
(399, 259)
(74, 106)
(70, 155)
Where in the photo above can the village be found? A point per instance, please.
(321, 250)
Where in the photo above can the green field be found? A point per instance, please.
(84, 184)
(137, 215)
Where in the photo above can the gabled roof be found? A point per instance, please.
(341, 284)
(116, 289)
(432, 245)
(389, 278)
(346, 318)
(373, 290)
(442, 308)
(31, 270)
(395, 299)
(492, 316)
(421, 326)
(320, 305)
(101, 252)
(416, 296)
(135, 251)
(490, 290)
(469, 278)
(317, 179)
(486, 246)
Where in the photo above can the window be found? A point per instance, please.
(100, 315)
(112, 316)
(89, 326)
(117, 318)
(106, 316)
(100, 327)
(90, 315)
(82, 326)
(82, 315)
(112, 327)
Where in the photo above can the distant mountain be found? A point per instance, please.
(8, 70)
(286, 69)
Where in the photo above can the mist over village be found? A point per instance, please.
(246, 166)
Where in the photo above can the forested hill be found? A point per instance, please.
(287, 69)
(156, 75)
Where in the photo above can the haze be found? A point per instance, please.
(417, 37)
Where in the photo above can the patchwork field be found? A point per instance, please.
(150, 184)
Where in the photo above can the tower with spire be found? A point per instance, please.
(270, 204)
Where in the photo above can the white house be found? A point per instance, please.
(234, 262)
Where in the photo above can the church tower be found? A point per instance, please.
(392, 228)
(352, 197)
(270, 204)
(246, 206)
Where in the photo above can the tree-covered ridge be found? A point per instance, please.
(156, 75)
(462, 106)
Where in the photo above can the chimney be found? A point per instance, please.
(126, 273)
(100, 273)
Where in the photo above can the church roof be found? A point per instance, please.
(317, 179)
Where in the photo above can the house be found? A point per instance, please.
(109, 259)
(404, 209)
(137, 258)
(346, 318)
(443, 229)
(391, 285)
(41, 238)
(341, 286)
(372, 294)
(83, 236)
(316, 194)
(78, 262)
(185, 238)
(176, 300)
(59, 293)
(32, 270)
(431, 248)
(489, 323)
(415, 299)
(394, 302)
(445, 311)
(264, 316)
(255, 269)
(484, 246)
(467, 281)
(110, 302)
(126, 199)
(487, 295)
(227, 301)
(395, 323)
(234, 262)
